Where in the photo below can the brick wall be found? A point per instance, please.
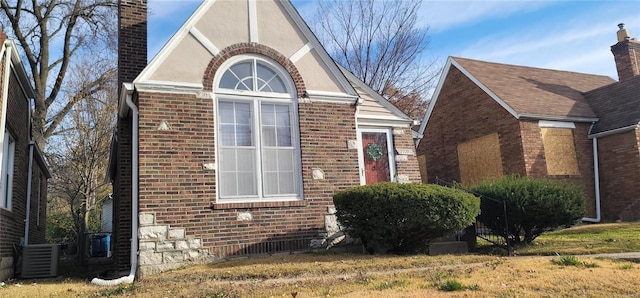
(619, 164)
(122, 194)
(464, 112)
(12, 222)
(536, 164)
(37, 217)
(180, 192)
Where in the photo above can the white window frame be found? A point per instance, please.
(390, 151)
(257, 99)
(6, 171)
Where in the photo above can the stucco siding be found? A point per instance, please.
(186, 63)
(288, 40)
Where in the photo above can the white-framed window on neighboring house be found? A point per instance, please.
(258, 151)
(6, 183)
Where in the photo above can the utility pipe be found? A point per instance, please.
(29, 181)
(596, 178)
(134, 205)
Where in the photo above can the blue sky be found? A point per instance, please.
(566, 35)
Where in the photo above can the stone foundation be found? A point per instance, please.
(164, 248)
(334, 234)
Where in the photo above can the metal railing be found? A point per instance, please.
(496, 232)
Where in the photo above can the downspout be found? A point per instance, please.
(29, 181)
(4, 95)
(596, 178)
(361, 170)
(27, 219)
(134, 205)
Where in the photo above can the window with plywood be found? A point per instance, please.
(559, 151)
(480, 159)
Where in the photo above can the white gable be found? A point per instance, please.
(218, 24)
(375, 110)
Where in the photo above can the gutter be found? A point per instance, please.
(596, 182)
(134, 195)
(614, 131)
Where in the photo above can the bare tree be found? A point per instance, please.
(53, 34)
(382, 44)
(80, 157)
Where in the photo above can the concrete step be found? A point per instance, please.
(448, 247)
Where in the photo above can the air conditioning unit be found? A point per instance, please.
(40, 260)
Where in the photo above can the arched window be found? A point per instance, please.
(258, 154)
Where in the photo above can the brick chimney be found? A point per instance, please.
(132, 39)
(132, 59)
(627, 55)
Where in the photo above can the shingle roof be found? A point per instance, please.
(617, 105)
(536, 91)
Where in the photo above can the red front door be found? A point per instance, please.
(376, 157)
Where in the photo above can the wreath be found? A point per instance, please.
(374, 151)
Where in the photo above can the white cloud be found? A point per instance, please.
(446, 15)
(579, 42)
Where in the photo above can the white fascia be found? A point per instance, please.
(168, 87)
(377, 121)
(333, 97)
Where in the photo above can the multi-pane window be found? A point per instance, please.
(6, 183)
(258, 155)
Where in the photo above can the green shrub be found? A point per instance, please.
(567, 261)
(534, 206)
(403, 218)
(452, 285)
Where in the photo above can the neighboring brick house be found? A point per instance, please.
(488, 119)
(23, 171)
(234, 138)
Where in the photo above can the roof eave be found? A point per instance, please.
(528, 116)
(614, 131)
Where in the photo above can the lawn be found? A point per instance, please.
(333, 274)
(587, 239)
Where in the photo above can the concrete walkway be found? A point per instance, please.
(628, 256)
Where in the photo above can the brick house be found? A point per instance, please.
(488, 119)
(23, 171)
(234, 138)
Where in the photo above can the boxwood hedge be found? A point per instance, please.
(403, 218)
(534, 206)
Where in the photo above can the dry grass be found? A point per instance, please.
(353, 275)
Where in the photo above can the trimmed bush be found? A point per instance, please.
(534, 206)
(403, 218)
